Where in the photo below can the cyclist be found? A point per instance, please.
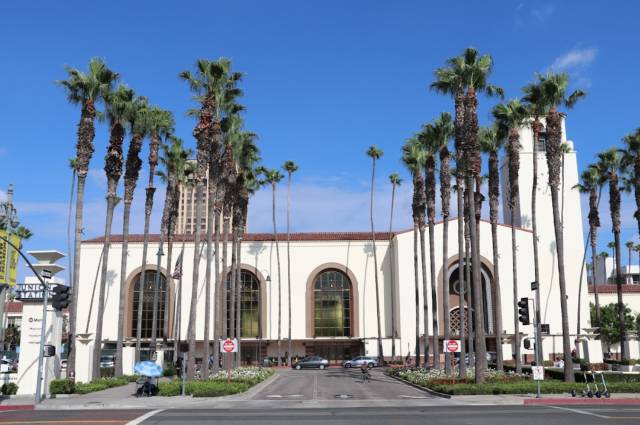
(364, 369)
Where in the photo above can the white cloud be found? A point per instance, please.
(575, 58)
(542, 13)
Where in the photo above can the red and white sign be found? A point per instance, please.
(229, 346)
(451, 345)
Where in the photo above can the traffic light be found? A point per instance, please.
(61, 297)
(523, 311)
(49, 351)
(527, 344)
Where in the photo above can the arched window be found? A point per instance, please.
(249, 305)
(332, 304)
(147, 305)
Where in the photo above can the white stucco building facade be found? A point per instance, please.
(333, 294)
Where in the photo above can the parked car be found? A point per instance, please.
(360, 360)
(311, 362)
(492, 357)
(8, 365)
(107, 361)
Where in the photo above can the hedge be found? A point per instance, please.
(208, 388)
(67, 386)
(9, 388)
(528, 387)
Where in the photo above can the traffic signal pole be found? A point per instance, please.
(535, 286)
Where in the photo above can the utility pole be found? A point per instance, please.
(535, 286)
(9, 215)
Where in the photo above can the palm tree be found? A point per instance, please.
(212, 83)
(273, 177)
(160, 125)
(459, 189)
(374, 153)
(290, 167)
(537, 105)
(246, 155)
(612, 246)
(138, 129)
(445, 197)
(592, 184)
(554, 87)
(509, 118)
(72, 165)
(176, 168)
(118, 105)
(435, 136)
(632, 161)
(470, 71)
(611, 165)
(395, 181)
(84, 89)
(491, 142)
(630, 246)
(413, 159)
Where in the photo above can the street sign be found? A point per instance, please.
(538, 373)
(229, 346)
(46, 274)
(451, 345)
(535, 285)
(544, 328)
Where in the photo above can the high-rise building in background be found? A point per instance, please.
(186, 207)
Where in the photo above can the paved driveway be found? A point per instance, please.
(337, 384)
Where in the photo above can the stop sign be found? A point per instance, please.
(229, 346)
(452, 346)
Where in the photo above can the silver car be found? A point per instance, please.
(360, 360)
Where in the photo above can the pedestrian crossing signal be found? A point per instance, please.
(61, 297)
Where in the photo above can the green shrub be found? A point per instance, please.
(107, 372)
(62, 386)
(209, 388)
(170, 370)
(527, 387)
(100, 384)
(9, 388)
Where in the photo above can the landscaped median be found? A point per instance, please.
(67, 386)
(504, 382)
(218, 385)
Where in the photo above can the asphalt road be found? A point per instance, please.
(337, 384)
(75, 417)
(435, 415)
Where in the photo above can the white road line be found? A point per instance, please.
(144, 417)
(315, 387)
(582, 412)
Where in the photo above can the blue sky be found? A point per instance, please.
(324, 80)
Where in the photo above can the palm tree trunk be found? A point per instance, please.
(238, 285)
(469, 293)
(445, 289)
(392, 272)
(494, 195)
(275, 238)
(167, 293)
(461, 279)
(375, 266)
(594, 257)
(514, 272)
(207, 286)
(566, 343)
(232, 286)
(191, 329)
(434, 296)
(425, 290)
(97, 353)
(417, 290)
(534, 195)
(289, 264)
(123, 292)
(218, 292)
(143, 281)
(621, 306)
(226, 331)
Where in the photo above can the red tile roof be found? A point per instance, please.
(13, 307)
(612, 289)
(265, 237)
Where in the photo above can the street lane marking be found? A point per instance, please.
(67, 421)
(145, 417)
(581, 412)
(315, 387)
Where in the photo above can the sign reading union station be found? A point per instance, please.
(29, 292)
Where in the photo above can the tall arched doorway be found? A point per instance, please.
(250, 305)
(454, 302)
(147, 305)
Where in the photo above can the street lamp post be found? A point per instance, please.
(156, 288)
(259, 351)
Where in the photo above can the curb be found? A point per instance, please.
(580, 401)
(17, 407)
(425, 389)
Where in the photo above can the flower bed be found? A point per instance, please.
(241, 380)
(498, 383)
